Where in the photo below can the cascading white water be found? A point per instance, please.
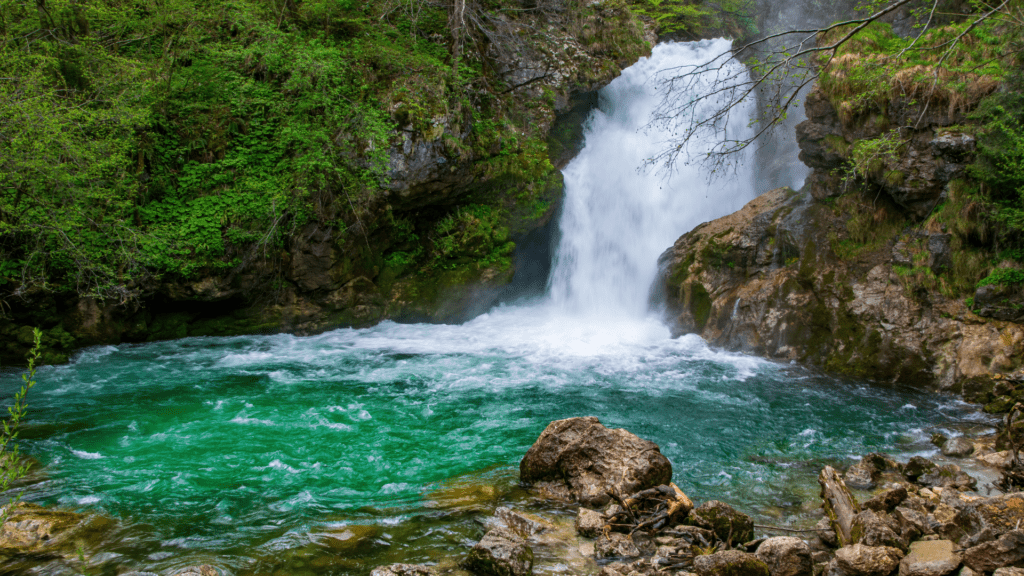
(618, 218)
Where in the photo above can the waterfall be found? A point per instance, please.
(619, 217)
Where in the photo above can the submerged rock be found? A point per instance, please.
(202, 570)
(501, 552)
(402, 570)
(581, 459)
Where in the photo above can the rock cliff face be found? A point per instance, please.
(435, 243)
(765, 280)
(845, 283)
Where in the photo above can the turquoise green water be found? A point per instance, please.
(240, 448)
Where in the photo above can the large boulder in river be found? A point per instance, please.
(580, 459)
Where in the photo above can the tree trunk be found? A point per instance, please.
(839, 505)
(457, 25)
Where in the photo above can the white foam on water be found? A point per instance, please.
(276, 464)
(243, 418)
(87, 455)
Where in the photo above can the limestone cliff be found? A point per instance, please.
(765, 280)
(857, 273)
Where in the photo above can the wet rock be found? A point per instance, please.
(202, 570)
(916, 467)
(887, 501)
(786, 556)
(1000, 303)
(958, 447)
(861, 560)
(616, 545)
(402, 570)
(913, 523)
(1006, 551)
(589, 522)
(525, 525)
(588, 461)
(693, 535)
(866, 474)
(940, 253)
(965, 571)
(878, 529)
(729, 563)
(948, 475)
(1009, 571)
(501, 552)
(32, 529)
(1000, 459)
(729, 524)
(930, 558)
(826, 534)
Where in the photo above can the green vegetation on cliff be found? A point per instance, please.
(959, 81)
(142, 139)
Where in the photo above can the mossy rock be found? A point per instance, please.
(729, 563)
(1000, 405)
(728, 524)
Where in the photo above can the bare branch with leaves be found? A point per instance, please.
(699, 100)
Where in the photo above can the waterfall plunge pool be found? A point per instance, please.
(336, 453)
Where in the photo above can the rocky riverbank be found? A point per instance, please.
(922, 519)
(602, 501)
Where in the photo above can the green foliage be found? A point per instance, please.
(12, 468)
(877, 69)
(1002, 277)
(698, 18)
(871, 157)
(999, 166)
(151, 138)
(473, 234)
